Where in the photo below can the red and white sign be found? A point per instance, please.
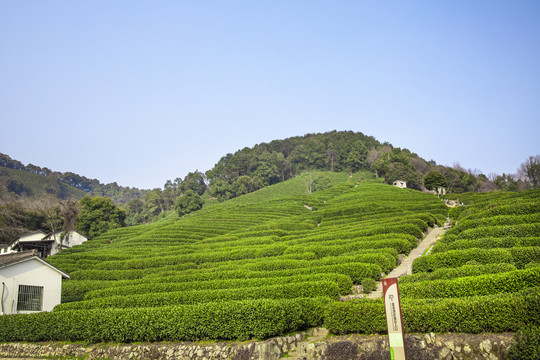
(394, 320)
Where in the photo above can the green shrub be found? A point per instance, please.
(526, 344)
(473, 285)
(235, 320)
(487, 243)
(163, 285)
(456, 258)
(368, 285)
(524, 255)
(285, 291)
(499, 220)
(451, 273)
(491, 313)
(356, 316)
(522, 230)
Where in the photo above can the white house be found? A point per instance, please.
(26, 238)
(29, 283)
(46, 244)
(400, 184)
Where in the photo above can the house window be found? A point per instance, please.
(30, 298)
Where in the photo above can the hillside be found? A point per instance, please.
(271, 252)
(19, 182)
(279, 259)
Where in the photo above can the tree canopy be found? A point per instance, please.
(530, 169)
(434, 180)
(98, 215)
(189, 202)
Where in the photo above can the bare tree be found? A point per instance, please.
(530, 170)
(492, 176)
(332, 156)
(375, 154)
(457, 166)
(420, 165)
(12, 219)
(69, 209)
(49, 209)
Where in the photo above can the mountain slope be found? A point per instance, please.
(31, 182)
(260, 252)
(17, 184)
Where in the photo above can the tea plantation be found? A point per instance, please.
(278, 260)
(482, 276)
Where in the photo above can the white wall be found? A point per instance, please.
(73, 238)
(30, 272)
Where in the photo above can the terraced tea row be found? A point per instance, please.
(302, 249)
(483, 275)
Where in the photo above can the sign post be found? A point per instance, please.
(394, 320)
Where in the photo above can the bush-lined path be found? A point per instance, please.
(405, 268)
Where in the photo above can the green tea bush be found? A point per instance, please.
(499, 220)
(80, 287)
(523, 230)
(473, 285)
(488, 243)
(355, 271)
(286, 291)
(124, 274)
(491, 313)
(456, 258)
(516, 207)
(235, 320)
(524, 255)
(356, 316)
(526, 344)
(368, 285)
(344, 284)
(451, 273)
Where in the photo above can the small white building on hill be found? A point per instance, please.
(28, 283)
(45, 244)
(400, 184)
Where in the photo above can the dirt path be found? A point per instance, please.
(406, 265)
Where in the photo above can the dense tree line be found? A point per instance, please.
(156, 203)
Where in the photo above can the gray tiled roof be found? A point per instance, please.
(7, 259)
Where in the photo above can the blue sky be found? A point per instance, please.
(139, 92)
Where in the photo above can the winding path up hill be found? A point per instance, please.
(405, 268)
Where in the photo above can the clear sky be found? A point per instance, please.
(139, 92)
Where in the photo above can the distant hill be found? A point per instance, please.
(265, 164)
(17, 184)
(19, 181)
